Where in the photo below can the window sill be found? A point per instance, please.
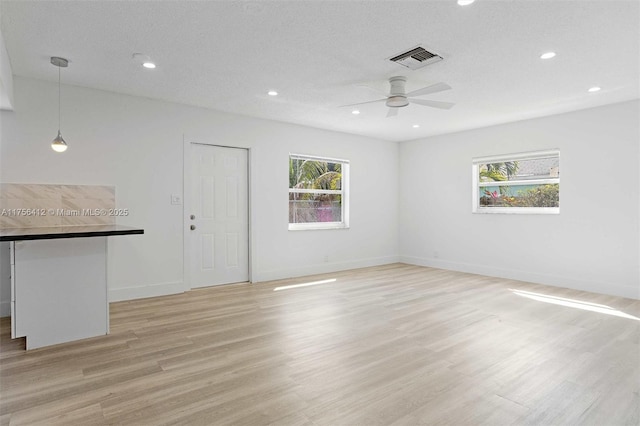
(316, 226)
(518, 210)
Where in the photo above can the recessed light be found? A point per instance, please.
(594, 89)
(143, 60)
(465, 2)
(272, 93)
(415, 126)
(548, 55)
(355, 112)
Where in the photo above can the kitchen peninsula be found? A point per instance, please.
(59, 281)
(53, 241)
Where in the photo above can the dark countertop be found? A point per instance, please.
(49, 233)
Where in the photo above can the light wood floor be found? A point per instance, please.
(389, 345)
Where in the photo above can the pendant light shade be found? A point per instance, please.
(58, 144)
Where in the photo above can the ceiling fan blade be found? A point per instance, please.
(393, 112)
(434, 88)
(434, 104)
(363, 103)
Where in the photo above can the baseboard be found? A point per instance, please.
(5, 309)
(164, 289)
(142, 292)
(631, 292)
(323, 268)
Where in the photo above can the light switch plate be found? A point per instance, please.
(176, 200)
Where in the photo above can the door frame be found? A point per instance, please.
(186, 203)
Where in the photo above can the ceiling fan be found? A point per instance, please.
(398, 97)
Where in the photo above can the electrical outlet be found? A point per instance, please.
(326, 258)
(176, 200)
(436, 254)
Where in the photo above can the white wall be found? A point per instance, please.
(6, 78)
(136, 144)
(593, 244)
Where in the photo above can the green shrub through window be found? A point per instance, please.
(317, 192)
(517, 183)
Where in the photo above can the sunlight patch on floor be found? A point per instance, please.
(571, 303)
(287, 287)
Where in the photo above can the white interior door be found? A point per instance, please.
(219, 218)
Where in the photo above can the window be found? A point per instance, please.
(318, 193)
(517, 183)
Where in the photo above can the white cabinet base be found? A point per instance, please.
(59, 290)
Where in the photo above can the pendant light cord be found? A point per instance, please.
(59, 99)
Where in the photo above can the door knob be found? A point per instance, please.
(192, 227)
(192, 217)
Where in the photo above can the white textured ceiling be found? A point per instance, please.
(226, 55)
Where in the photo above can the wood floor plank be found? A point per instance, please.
(392, 344)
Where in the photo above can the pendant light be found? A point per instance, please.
(58, 144)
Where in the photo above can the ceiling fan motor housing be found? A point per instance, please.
(398, 97)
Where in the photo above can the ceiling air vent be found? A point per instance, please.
(416, 58)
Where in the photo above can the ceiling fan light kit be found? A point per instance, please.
(397, 101)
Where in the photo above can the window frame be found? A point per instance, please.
(343, 192)
(477, 185)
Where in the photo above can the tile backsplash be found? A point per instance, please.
(26, 205)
